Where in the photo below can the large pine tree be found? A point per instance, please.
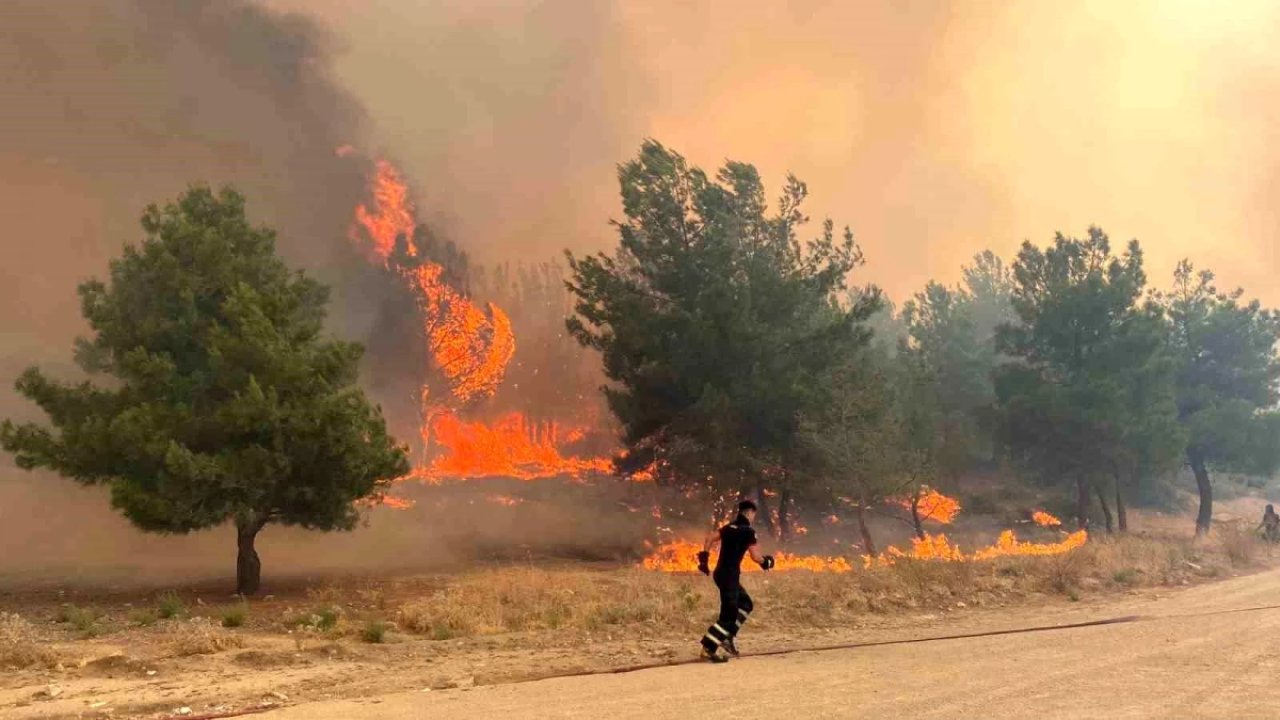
(223, 401)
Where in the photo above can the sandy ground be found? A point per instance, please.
(1194, 653)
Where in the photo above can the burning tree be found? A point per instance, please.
(714, 321)
(225, 402)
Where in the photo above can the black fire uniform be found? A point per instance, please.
(735, 603)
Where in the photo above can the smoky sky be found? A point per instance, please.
(934, 130)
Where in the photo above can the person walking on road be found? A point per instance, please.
(736, 540)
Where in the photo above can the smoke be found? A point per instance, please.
(934, 129)
(110, 105)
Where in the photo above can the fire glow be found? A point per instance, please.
(682, 555)
(471, 348)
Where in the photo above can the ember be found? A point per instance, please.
(1044, 519)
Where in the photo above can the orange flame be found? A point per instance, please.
(471, 348)
(933, 506)
(510, 447)
(1044, 519)
(682, 555)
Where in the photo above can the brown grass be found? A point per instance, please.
(526, 599)
(200, 636)
(21, 645)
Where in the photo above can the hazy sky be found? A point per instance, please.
(933, 129)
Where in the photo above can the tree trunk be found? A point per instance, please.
(915, 514)
(784, 522)
(868, 546)
(1082, 503)
(248, 565)
(1204, 519)
(1122, 518)
(1106, 509)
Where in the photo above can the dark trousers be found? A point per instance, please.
(735, 608)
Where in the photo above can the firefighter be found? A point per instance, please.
(736, 540)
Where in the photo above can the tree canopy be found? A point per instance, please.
(1081, 348)
(222, 401)
(714, 319)
(1227, 373)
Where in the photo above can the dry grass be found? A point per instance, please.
(527, 599)
(21, 645)
(524, 599)
(200, 636)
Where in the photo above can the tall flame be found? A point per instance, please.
(471, 348)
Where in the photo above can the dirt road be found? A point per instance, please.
(1196, 653)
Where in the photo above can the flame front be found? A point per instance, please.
(511, 447)
(471, 347)
(682, 555)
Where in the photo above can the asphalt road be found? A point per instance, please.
(1204, 652)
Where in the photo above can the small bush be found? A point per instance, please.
(375, 631)
(169, 606)
(84, 620)
(21, 645)
(234, 616)
(1238, 543)
(1125, 576)
(199, 636)
(143, 617)
(327, 618)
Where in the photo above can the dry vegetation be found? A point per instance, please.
(368, 636)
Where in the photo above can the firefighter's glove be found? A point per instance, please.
(766, 563)
(704, 557)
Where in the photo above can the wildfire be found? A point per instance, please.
(1044, 519)
(934, 506)
(471, 347)
(682, 555)
(510, 447)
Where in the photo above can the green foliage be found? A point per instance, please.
(224, 402)
(235, 616)
(714, 319)
(1087, 391)
(144, 617)
(84, 620)
(169, 605)
(375, 631)
(1227, 372)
